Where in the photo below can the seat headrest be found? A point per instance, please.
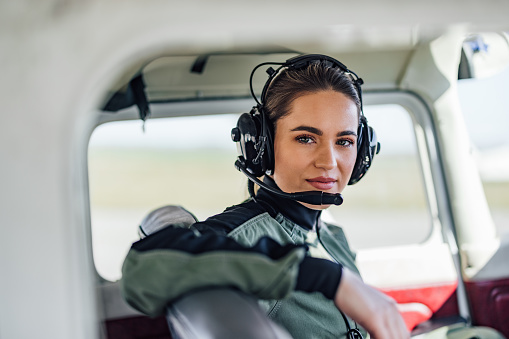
(165, 216)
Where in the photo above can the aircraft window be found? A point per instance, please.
(184, 161)
(189, 162)
(486, 110)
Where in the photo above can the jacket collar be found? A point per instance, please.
(293, 210)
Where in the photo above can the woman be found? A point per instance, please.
(304, 136)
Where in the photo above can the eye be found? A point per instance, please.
(305, 139)
(345, 142)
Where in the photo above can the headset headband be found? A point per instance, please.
(298, 62)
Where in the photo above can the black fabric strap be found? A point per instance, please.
(140, 97)
(133, 94)
(185, 240)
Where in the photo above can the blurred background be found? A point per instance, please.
(189, 162)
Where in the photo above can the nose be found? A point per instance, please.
(325, 157)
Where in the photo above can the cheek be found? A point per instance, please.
(352, 159)
(289, 165)
(282, 161)
(291, 158)
(347, 161)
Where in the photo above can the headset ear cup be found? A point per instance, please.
(357, 168)
(367, 147)
(247, 135)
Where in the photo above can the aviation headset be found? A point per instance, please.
(255, 135)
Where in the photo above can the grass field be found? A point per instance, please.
(206, 178)
(149, 178)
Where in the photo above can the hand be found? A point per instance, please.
(370, 308)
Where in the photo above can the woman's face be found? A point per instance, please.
(315, 145)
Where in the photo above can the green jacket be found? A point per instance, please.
(256, 247)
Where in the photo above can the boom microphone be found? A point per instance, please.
(309, 197)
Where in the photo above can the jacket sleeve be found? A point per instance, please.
(175, 261)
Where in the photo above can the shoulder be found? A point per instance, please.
(231, 218)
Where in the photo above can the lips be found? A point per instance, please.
(322, 183)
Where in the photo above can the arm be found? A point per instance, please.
(174, 261)
(372, 309)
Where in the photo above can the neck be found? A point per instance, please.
(297, 212)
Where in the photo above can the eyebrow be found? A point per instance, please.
(319, 132)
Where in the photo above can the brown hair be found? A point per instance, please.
(292, 83)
